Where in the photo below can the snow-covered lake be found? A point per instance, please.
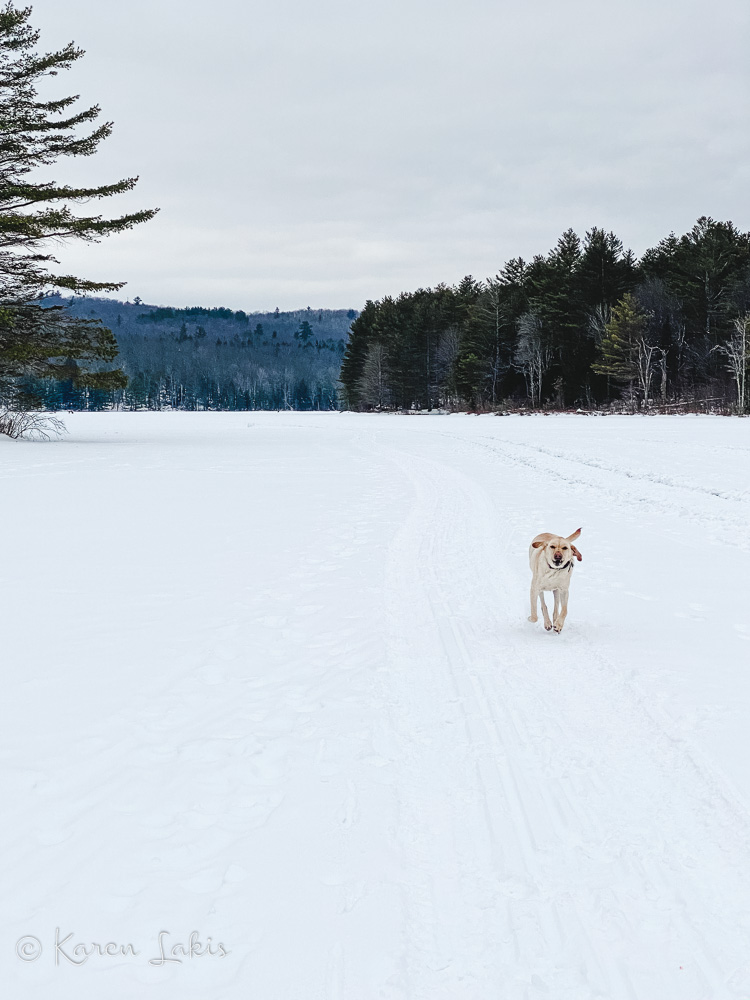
(269, 678)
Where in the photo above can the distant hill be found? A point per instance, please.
(140, 317)
(213, 358)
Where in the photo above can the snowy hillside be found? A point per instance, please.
(269, 678)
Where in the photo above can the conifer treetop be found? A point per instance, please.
(35, 134)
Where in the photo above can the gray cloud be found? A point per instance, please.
(320, 154)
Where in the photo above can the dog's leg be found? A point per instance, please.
(556, 606)
(534, 596)
(547, 622)
(560, 619)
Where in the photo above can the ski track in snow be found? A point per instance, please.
(302, 711)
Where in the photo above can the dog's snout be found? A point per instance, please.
(558, 556)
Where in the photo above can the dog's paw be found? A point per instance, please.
(533, 618)
(548, 626)
(558, 628)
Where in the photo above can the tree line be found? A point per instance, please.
(207, 359)
(585, 325)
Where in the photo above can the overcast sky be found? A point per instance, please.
(323, 153)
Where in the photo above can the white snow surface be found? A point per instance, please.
(269, 678)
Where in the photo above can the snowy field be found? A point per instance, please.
(269, 678)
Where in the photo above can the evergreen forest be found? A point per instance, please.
(585, 326)
(206, 358)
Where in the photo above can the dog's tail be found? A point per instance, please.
(576, 533)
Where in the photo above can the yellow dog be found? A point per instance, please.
(551, 560)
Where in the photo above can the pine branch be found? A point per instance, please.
(19, 196)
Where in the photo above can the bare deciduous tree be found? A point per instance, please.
(647, 357)
(533, 355)
(737, 352)
(373, 384)
(449, 343)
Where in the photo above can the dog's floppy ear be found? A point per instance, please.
(572, 538)
(536, 545)
(576, 553)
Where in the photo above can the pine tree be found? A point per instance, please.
(304, 333)
(625, 353)
(35, 134)
(616, 352)
(362, 335)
